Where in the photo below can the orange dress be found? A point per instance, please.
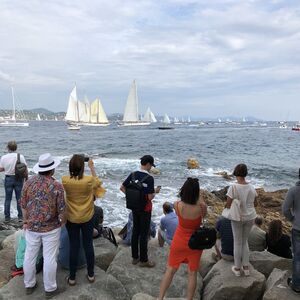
(179, 250)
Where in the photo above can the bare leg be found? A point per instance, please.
(192, 282)
(161, 241)
(166, 281)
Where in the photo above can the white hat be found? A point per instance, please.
(46, 163)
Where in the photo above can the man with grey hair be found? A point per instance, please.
(11, 183)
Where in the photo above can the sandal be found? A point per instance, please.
(90, 279)
(70, 282)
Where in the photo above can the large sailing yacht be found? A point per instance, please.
(131, 113)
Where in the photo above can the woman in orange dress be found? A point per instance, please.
(190, 212)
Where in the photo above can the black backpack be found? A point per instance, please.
(135, 196)
(20, 168)
(107, 233)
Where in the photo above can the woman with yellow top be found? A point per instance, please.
(80, 195)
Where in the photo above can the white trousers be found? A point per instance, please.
(241, 231)
(50, 242)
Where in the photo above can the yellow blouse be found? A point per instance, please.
(80, 197)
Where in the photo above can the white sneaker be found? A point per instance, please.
(246, 272)
(235, 271)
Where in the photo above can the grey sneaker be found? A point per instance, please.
(30, 290)
(147, 264)
(50, 295)
(135, 261)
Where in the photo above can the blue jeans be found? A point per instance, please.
(296, 259)
(87, 242)
(12, 184)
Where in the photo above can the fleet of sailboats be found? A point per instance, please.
(12, 122)
(84, 113)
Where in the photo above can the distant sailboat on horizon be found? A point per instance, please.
(131, 112)
(149, 116)
(12, 122)
(166, 122)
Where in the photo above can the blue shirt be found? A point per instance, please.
(223, 226)
(169, 223)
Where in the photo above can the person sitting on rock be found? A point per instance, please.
(278, 243)
(224, 244)
(190, 211)
(168, 225)
(126, 233)
(257, 236)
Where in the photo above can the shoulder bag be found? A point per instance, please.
(234, 212)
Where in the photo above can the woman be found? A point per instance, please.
(277, 242)
(245, 193)
(80, 190)
(190, 212)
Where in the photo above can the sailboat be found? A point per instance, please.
(38, 117)
(149, 116)
(166, 122)
(12, 122)
(82, 113)
(131, 113)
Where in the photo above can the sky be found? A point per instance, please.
(194, 58)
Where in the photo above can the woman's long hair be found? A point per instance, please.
(189, 192)
(76, 166)
(275, 232)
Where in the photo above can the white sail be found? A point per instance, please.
(38, 117)
(72, 112)
(94, 111)
(149, 116)
(87, 109)
(102, 118)
(82, 113)
(131, 113)
(167, 119)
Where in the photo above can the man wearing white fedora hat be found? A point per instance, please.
(43, 207)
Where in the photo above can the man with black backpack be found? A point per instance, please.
(14, 166)
(139, 190)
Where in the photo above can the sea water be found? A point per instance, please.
(271, 153)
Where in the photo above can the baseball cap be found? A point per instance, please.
(147, 159)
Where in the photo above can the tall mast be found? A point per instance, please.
(14, 107)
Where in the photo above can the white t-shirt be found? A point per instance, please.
(8, 162)
(246, 193)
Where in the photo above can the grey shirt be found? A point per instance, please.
(257, 239)
(291, 206)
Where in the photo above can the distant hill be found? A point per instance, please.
(41, 111)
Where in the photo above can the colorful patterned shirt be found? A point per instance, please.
(44, 202)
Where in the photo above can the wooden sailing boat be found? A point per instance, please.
(12, 122)
(131, 113)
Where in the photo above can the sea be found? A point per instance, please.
(271, 154)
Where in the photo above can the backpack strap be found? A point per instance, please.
(144, 179)
(18, 158)
(132, 177)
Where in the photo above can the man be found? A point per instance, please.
(168, 225)
(257, 236)
(291, 210)
(224, 247)
(11, 182)
(43, 207)
(142, 218)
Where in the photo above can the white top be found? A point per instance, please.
(246, 194)
(8, 162)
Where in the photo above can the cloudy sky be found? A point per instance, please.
(198, 58)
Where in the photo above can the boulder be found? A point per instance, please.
(147, 280)
(4, 234)
(105, 287)
(277, 288)
(192, 163)
(9, 242)
(265, 262)
(221, 194)
(105, 251)
(225, 175)
(221, 284)
(207, 261)
(154, 171)
(7, 260)
(141, 296)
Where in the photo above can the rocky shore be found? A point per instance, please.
(117, 278)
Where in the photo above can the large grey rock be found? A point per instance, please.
(147, 280)
(141, 296)
(4, 234)
(221, 284)
(7, 259)
(9, 241)
(265, 262)
(106, 287)
(277, 288)
(207, 261)
(105, 251)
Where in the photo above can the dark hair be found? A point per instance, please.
(258, 220)
(167, 207)
(76, 166)
(299, 173)
(47, 173)
(147, 159)
(12, 146)
(189, 192)
(240, 170)
(275, 231)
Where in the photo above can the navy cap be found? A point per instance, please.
(147, 159)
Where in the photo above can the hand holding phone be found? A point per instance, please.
(157, 190)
